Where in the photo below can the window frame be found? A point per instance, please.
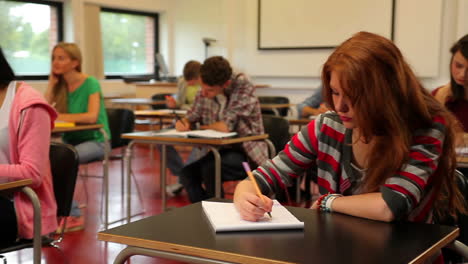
(155, 16)
(59, 7)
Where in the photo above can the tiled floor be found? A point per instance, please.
(82, 246)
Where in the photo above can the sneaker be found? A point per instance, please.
(174, 189)
(74, 223)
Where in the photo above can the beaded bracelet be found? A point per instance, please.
(326, 202)
(320, 199)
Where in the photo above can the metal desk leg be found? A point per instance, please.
(218, 180)
(105, 166)
(163, 176)
(128, 161)
(271, 148)
(129, 251)
(37, 240)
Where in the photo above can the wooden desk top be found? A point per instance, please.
(137, 101)
(174, 84)
(156, 113)
(151, 136)
(273, 106)
(326, 238)
(300, 122)
(76, 128)
(159, 84)
(15, 184)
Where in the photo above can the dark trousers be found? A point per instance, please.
(8, 224)
(203, 171)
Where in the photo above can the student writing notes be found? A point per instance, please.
(225, 103)
(385, 153)
(26, 122)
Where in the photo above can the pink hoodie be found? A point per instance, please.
(30, 124)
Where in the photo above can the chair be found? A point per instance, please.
(277, 129)
(457, 251)
(64, 166)
(121, 121)
(64, 169)
(274, 100)
(160, 97)
(149, 122)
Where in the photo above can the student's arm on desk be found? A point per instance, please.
(89, 117)
(248, 203)
(368, 205)
(218, 126)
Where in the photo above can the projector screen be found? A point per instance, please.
(319, 24)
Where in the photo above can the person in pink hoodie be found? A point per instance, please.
(26, 121)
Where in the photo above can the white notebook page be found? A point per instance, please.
(224, 217)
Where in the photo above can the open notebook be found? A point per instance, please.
(224, 218)
(207, 133)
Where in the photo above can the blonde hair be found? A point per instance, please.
(60, 91)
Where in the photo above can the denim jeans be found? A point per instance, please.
(202, 172)
(175, 162)
(87, 151)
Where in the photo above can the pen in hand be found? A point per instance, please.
(254, 182)
(182, 122)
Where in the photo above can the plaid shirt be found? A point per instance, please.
(241, 114)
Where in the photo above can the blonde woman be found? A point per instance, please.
(78, 98)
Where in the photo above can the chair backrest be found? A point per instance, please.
(462, 222)
(64, 166)
(454, 254)
(277, 129)
(160, 97)
(121, 121)
(274, 100)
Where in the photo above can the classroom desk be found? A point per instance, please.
(137, 101)
(462, 161)
(275, 107)
(299, 122)
(105, 165)
(212, 144)
(156, 113)
(23, 185)
(184, 234)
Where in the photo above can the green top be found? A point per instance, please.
(190, 93)
(78, 103)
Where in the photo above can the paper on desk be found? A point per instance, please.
(207, 133)
(172, 111)
(462, 151)
(224, 217)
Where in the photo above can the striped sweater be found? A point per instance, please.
(327, 143)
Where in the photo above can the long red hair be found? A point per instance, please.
(389, 105)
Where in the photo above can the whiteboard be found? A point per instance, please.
(315, 24)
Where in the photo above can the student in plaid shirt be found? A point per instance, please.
(225, 103)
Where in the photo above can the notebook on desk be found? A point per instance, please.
(224, 217)
(206, 133)
(64, 124)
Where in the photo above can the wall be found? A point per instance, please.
(183, 23)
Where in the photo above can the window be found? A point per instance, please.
(130, 42)
(29, 30)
